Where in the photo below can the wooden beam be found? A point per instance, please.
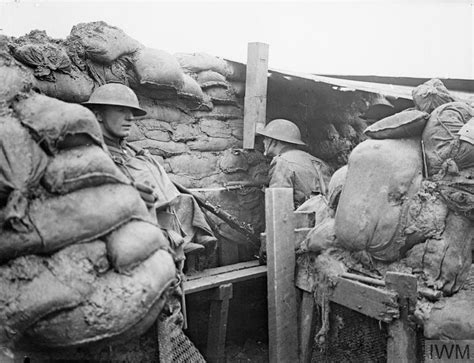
(217, 329)
(210, 279)
(282, 311)
(255, 102)
(371, 301)
(306, 323)
(401, 343)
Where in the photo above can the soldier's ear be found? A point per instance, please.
(98, 115)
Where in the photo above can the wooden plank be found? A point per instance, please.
(217, 328)
(222, 269)
(282, 311)
(209, 282)
(306, 326)
(371, 301)
(228, 253)
(401, 343)
(255, 102)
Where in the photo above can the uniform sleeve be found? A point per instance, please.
(281, 176)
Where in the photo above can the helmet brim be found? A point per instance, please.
(135, 110)
(282, 138)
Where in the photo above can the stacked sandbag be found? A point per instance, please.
(431, 95)
(55, 74)
(77, 227)
(382, 176)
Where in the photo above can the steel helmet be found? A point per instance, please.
(116, 94)
(466, 133)
(283, 130)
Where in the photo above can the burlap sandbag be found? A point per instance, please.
(220, 95)
(381, 176)
(451, 318)
(211, 79)
(157, 70)
(430, 95)
(81, 167)
(14, 77)
(402, 125)
(121, 305)
(33, 287)
(132, 243)
(100, 42)
(191, 93)
(116, 72)
(74, 87)
(80, 216)
(39, 51)
(198, 62)
(441, 139)
(51, 120)
(445, 260)
(22, 164)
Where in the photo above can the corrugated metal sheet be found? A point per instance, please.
(380, 88)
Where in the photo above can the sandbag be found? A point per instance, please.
(441, 138)
(451, 318)
(81, 167)
(14, 77)
(445, 260)
(198, 62)
(132, 243)
(335, 186)
(73, 87)
(190, 92)
(80, 216)
(157, 70)
(22, 164)
(119, 304)
(33, 287)
(431, 95)
(402, 125)
(381, 176)
(51, 120)
(41, 53)
(116, 72)
(220, 95)
(211, 79)
(100, 42)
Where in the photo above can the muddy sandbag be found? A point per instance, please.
(14, 77)
(335, 186)
(100, 42)
(451, 318)
(116, 72)
(73, 87)
(133, 243)
(33, 287)
(402, 125)
(80, 216)
(22, 164)
(81, 167)
(220, 95)
(51, 120)
(211, 79)
(441, 138)
(457, 191)
(191, 92)
(445, 260)
(198, 62)
(381, 176)
(119, 303)
(42, 53)
(431, 95)
(157, 70)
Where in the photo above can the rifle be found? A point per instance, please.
(244, 228)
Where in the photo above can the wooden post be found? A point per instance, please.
(401, 344)
(217, 329)
(255, 102)
(282, 312)
(306, 323)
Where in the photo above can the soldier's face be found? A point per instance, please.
(116, 121)
(268, 146)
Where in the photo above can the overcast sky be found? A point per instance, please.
(392, 38)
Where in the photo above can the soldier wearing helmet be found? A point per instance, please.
(116, 106)
(290, 166)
